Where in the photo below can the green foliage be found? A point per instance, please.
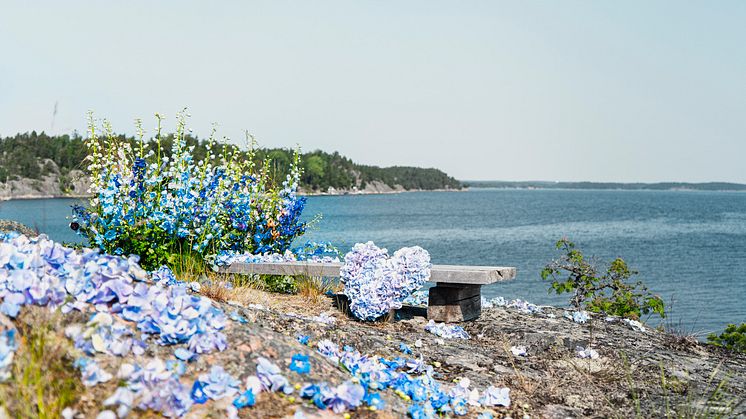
(608, 292)
(282, 284)
(733, 338)
(25, 156)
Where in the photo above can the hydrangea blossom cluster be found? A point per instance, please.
(447, 331)
(344, 397)
(416, 385)
(153, 385)
(104, 335)
(376, 283)
(215, 385)
(145, 202)
(176, 316)
(41, 272)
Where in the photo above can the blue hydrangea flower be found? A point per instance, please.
(300, 364)
(376, 283)
(245, 399)
(303, 339)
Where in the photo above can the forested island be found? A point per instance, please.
(40, 165)
(659, 186)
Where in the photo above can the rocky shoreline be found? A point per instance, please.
(555, 364)
(75, 184)
(5, 195)
(638, 373)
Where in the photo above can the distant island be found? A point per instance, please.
(37, 165)
(659, 186)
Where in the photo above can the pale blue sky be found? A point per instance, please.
(561, 90)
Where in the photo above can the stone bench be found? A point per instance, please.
(455, 297)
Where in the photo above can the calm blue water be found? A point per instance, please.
(690, 247)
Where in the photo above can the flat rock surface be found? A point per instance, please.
(639, 373)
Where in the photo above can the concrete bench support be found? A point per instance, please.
(456, 297)
(453, 303)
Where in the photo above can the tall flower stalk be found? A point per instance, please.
(155, 205)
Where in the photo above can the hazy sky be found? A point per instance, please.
(560, 90)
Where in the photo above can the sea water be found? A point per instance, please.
(689, 247)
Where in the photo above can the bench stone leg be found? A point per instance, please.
(452, 303)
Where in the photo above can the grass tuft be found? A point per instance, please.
(44, 380)
(314, 287)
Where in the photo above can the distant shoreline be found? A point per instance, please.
(339, 193)
(618, 186)
(470, 186)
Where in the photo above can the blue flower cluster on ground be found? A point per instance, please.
(413, 381)
(448, 331)
(132, 309)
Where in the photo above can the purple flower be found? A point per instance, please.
(329, 349)
(183, 354)
(347, 396)
(93, 374)
(269, 375)
(496, 396)
(376, 283)
(122, 397)
(218, 383)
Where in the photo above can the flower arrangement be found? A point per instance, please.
(155, 205)
(376, 283)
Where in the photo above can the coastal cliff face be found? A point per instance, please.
(75, 185)
(51, 185)
(373, 187)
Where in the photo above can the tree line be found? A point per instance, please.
(23, 156)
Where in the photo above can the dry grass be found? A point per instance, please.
(313, 288)
(44, 380)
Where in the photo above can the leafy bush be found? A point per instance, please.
(147, 203)
(733, 338)
(607, 292)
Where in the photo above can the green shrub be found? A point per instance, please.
(608, 292)
(282, 284)
(733, 338)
